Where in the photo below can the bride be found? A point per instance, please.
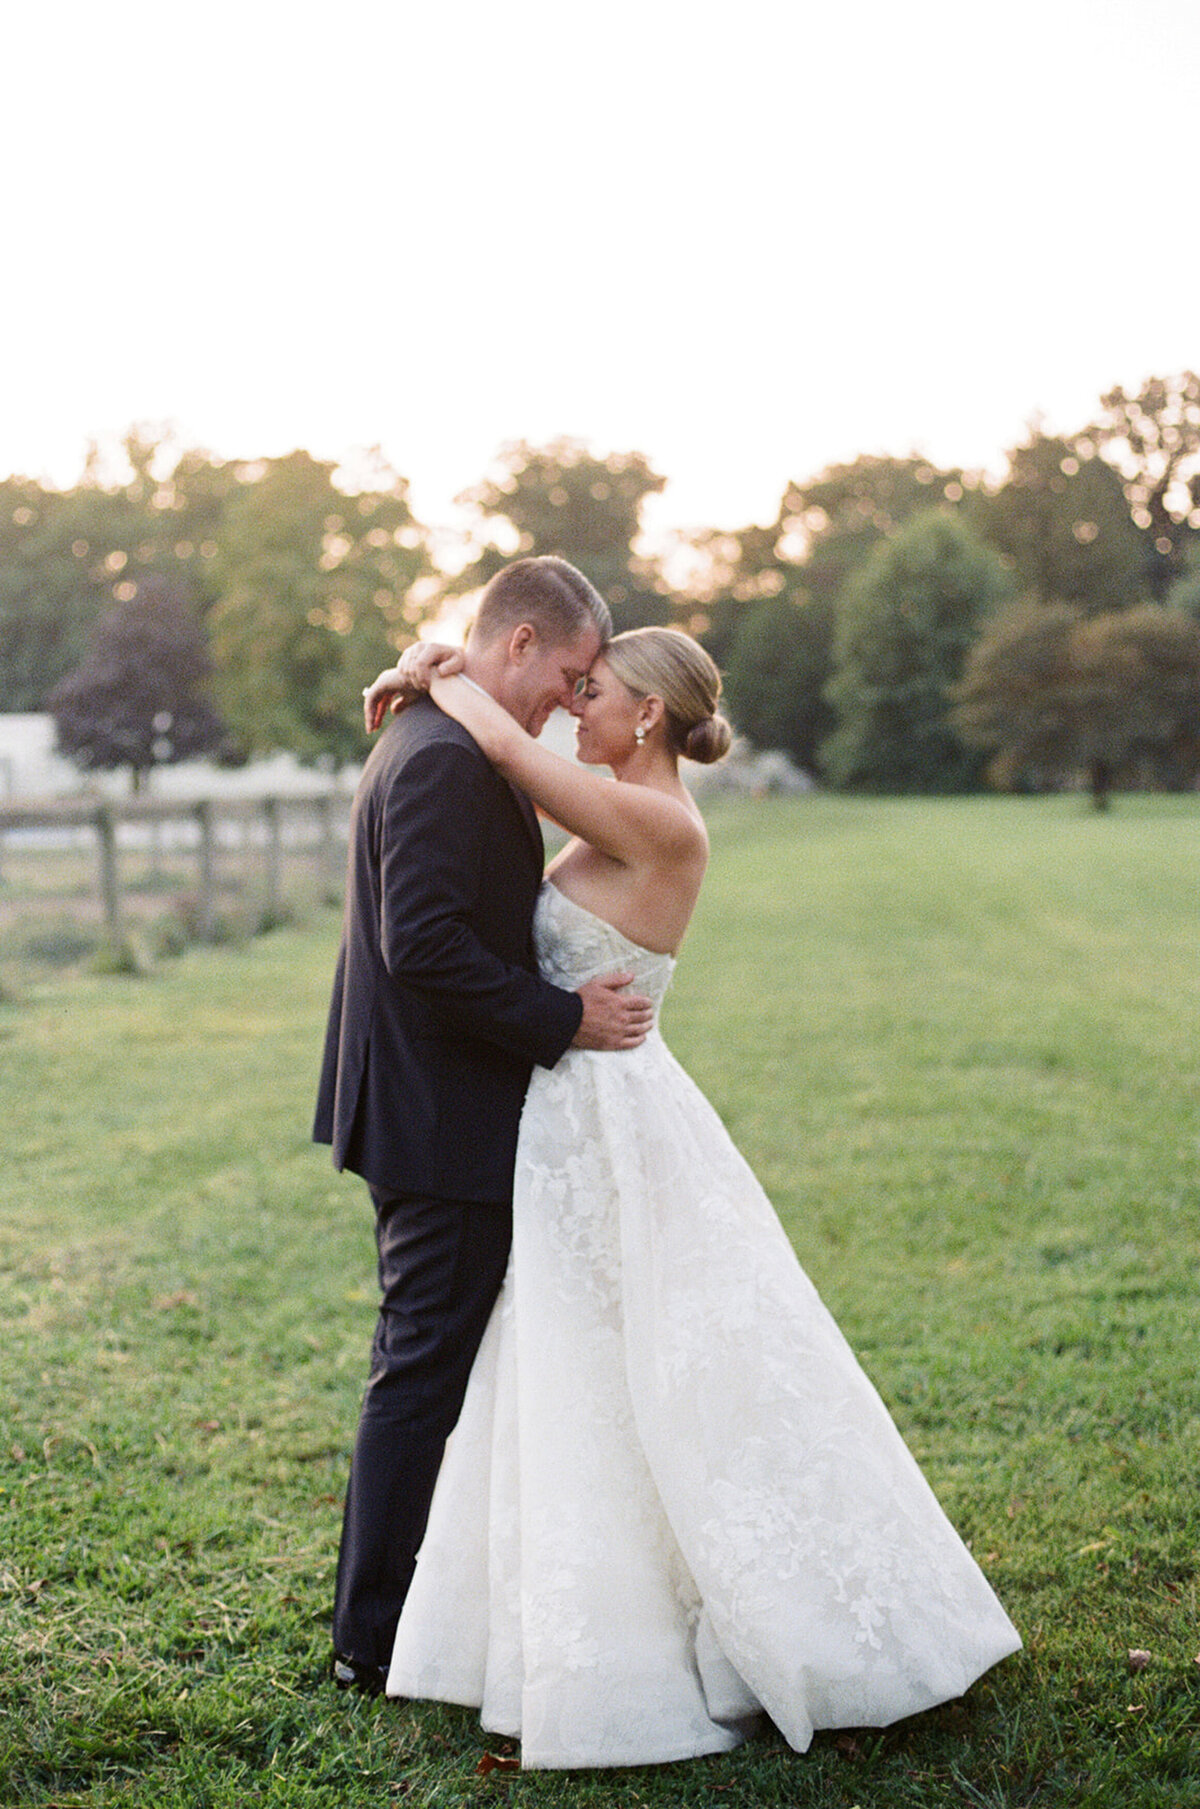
(673, 1501)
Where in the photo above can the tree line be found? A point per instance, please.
(898, 627)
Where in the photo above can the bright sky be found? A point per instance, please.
(747, 240)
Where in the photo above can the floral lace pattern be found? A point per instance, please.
(673, 1499)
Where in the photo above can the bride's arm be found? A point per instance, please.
(627, 822)
(402, 683)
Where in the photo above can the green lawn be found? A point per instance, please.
(958, 1041)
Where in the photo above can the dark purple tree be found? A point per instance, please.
(139, 698)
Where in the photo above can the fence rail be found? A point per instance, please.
(203, 825)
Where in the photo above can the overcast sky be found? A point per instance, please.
(747, 240)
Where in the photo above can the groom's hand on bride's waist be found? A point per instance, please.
(613, 1018)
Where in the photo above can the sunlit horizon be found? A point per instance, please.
(748, 246)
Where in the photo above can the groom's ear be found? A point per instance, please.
(522, 642)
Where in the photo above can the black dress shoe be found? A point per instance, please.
(349, 1674)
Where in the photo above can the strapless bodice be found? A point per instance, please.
(574, 945)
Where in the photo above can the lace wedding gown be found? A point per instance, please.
(673, 1499)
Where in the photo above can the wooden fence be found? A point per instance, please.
(267, 824)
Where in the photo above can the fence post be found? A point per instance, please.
(274, 858)
(328, 866)
(110, 891)
(206, 892)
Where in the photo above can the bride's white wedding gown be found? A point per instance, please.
(673, 1499)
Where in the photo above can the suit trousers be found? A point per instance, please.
(441, 1264)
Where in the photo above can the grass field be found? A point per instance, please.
(958, 1041)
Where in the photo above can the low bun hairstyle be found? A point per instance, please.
(707, 741)
(663, 662)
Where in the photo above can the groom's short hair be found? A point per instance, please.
(547, 592)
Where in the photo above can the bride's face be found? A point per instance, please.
(606, 715)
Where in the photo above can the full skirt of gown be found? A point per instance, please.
(673, 1499)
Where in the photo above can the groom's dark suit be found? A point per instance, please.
(438, 1016)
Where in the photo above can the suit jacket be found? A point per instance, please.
(438, 1013)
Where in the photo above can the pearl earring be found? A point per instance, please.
(639, 735)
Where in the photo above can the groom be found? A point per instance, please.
(437, 1019)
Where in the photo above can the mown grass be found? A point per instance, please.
(958, 1042)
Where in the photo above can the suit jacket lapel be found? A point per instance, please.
(529, 818)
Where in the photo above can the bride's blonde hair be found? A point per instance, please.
(663, 662)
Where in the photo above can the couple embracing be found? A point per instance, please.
(673, 1502)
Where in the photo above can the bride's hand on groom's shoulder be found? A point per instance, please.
(385, 692)
(412, 674)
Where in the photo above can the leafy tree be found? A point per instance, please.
(717, 574)
(831, 524)
(905, 623)
(318, 589)
(1019, 695)
(1053, 694)
(1184, 594)
(147, 524)
(562, 499)
(189, 505)
(44, 622)
(67, 556)
(1061, 519)
(139, 699)
(1142, 669)
(777, 670)
(204, 527)
(826, 528)
(1153, 440)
